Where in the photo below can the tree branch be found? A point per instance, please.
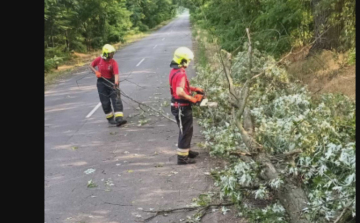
(139, 103)
(155, 110)
(293, 152)
(250, 49)
(229, 79)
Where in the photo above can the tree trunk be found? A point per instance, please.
(52, 38)
(331, 38)
(248, 122)
(66, 41)
(291, 196)
(294, 199)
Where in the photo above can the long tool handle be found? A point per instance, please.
(114, 85)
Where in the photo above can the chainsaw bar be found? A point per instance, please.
(205, 103)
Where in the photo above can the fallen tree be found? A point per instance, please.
(298, 149)
(291, 196)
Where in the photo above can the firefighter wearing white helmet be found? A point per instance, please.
(181, 102)
(108, 69)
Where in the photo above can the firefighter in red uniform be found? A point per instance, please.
(181, 102)
(108, 68)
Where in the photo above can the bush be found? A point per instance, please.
(48, 65)
(52, 63)
(97, 42)
(78, 47)
(50, 52)
(143, 27)
(352, 57)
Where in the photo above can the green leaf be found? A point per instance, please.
(91, 184)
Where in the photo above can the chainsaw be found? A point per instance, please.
(206, 103)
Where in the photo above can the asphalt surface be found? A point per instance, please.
(135, 166)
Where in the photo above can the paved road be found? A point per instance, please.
(135, 166)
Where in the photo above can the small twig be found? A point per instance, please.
(132, 83)
(204, 210)
(126, 102)
(159, 212)
(174, 210)
(127, 76)
(79, 79)
(318, 90)
(124, 205)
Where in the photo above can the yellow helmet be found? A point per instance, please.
(183, 56)
(107, 48)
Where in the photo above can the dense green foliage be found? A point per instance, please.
(83, 25)
(277, 25)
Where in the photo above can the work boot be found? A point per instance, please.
(193, 154)
(111, 121)
(183, 160)
(120, 121)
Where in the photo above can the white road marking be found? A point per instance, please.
(140, 62)
(92, 111)
(154, 46)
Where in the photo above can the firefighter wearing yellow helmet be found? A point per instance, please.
(181, 102)
(109, 70)
(183, 56)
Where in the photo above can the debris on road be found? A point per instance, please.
(91, 184)
(88, 171)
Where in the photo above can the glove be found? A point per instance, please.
(98, 74)
(197, 99)
(193, 100)
(198, 90)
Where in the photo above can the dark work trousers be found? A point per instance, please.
(187, 125)
(107, 93)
